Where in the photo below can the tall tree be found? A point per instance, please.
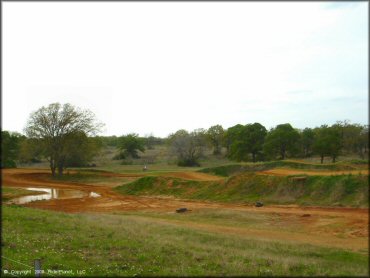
(248, 139)
(255, 138)
(327, 142)
(230, 136)
(215, 135)
(281, 140)
(54, 126)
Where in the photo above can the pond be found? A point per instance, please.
(52, 193)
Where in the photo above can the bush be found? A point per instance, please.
(188, 163)
(119, 156)
(127, 162)
(8, 164)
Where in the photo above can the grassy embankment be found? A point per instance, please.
(228, 170)
(125, 244)
(243, 185)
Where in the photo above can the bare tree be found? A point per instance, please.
(188, 147)
(54, 126)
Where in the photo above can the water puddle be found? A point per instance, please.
(52, 193)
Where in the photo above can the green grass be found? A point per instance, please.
(342, 190)
(127, 245)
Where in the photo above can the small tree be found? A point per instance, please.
(130, 145)
(54, 126)
(150, 142)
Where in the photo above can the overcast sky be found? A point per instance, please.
(159, 67)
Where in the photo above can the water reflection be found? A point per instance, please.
(52, 193)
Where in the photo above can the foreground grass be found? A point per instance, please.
(113, 245)
(343, 190)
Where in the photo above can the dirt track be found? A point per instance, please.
(320, 228)
(109, 200)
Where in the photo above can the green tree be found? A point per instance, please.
(351, 136)
(215, 135)
(307, 141)
(327, 142)
(54, 126)
(230, 136)
(130, 144)
(81, 149)
(248, 139)
(10, 146)
(255, 138)
(31, 150)
(281, 140)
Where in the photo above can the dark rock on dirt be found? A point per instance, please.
(182, 210)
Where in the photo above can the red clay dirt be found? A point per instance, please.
(335, 227)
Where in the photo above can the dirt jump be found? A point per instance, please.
(335, 227)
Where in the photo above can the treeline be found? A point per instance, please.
(253, 142)
(250, 142)
(66, 136)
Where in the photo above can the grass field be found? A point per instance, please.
(137, 244)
